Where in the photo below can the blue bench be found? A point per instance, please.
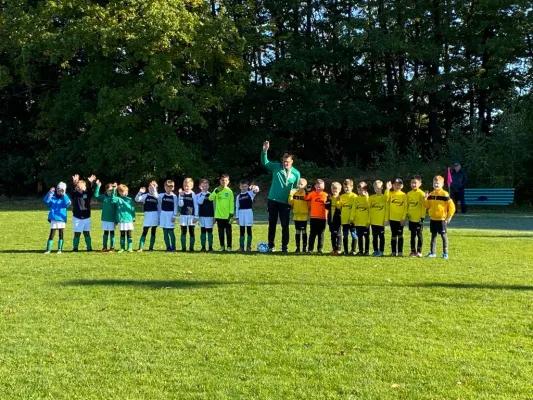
(489, 196)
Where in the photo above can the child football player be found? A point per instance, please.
(379, 204)
(109, 214)
(206, 213)
(416, 212)
(300, 213)
(224, 206)
(188, 213)
(361, 219)
(57, 201)
(334, 214)
(396, 214)
(441, 210)
(319, 215)
(168, 211)
(81, 211)
(347, 215)
(151, 214)
(125, 217)
(245, 214)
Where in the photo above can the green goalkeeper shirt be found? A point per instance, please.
(283, 180)
(224, 203)
(109, 208)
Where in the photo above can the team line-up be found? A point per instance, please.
(348, 215)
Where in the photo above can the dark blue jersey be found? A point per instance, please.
(187, 202)
(206, 209)
(150, 203)
(167, 202)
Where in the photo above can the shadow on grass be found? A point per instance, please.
(23, 251)
(176, 284)
(185, 284)
(467, 286)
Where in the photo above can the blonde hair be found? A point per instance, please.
(362, 185)
(122, 189)
(169, 182)
(378, 183)
(439, 178)
(319, 181)
(305, 180)
(348, 182)
(188, 180)
(337, 185)
(82, 183)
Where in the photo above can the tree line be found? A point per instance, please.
(139, 90)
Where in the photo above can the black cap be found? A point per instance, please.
(398, 180)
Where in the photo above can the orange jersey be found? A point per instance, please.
(317, 202)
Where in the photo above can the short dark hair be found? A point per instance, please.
(224, 176)
(244, 182)
(417, 178)
(203, 181)
(288, 155)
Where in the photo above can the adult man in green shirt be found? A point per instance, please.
(284, 179)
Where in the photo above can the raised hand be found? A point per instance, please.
(142, 190)
(52, 189)
(389, 185)
(98, 183)
(180, 192)
(426, 194)
(75, 179)
(92, 178)
(266, 145)
(153, 184)
(115, 185)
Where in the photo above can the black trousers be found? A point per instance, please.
(416, 229)
(363, 238)
(458, 196)
(378, 238)
(282, 211)
(396, 242)
(224, 232)
(318, 226)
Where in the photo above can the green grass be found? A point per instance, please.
(229, 326)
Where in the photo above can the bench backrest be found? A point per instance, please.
(489, 196)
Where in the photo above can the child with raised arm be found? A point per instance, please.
(300, 213)
(206, 213)
(319, 215)
(57, 201)
(441, 210)
(379, 204)
(125, 217)
(334, 221)
(361, 219)
(347, 215)
(81, 211)
(151, 214)
(396, 215)
(188, 213)
(109, 214)
(416, 212)
(168, 211)
(224, 206)
(245, 214)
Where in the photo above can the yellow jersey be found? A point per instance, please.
(417, 208)
(362, 211)
(398, 204)
(379, 205)
(440, 205)
(347, 207)
(300, 206)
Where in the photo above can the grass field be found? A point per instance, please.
(230, 326)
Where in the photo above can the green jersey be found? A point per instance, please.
(125, 208)
(283, 180)
(109, 208)
(224, 203)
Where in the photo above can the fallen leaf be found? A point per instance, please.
(52, 354)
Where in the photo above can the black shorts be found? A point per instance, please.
(396, 228)
(438, 227)
(300, 225)
(416, 226)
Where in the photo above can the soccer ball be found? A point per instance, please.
(262, 247)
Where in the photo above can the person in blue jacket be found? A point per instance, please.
(57, 201)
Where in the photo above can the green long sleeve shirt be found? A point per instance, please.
(224, 203)
(283, 180)
(109, 208)
(125, 208)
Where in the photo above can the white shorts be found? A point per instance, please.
(108, 226)
(246, 217)
(151, 218)
(187, 220)
(165, 220)
(125, 226)
(81, 225)
(57, 225)
(207, 222)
